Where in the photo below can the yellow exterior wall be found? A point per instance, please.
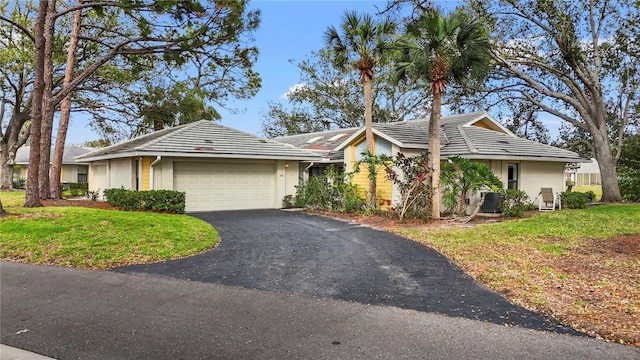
(146, 172)
(481, 124)
(383, 185)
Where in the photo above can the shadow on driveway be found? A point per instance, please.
(306, 254)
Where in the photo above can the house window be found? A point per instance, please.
(512, 176)
(382, 147)
(83, 170)
(360, 148)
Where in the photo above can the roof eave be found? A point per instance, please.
(358, 133)
(516, 157)
(309, 157)
(494, 121)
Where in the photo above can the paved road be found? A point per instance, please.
(77, 314)
(312, 255)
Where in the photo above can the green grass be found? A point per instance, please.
(12, 199)
(94, 238)
(565, 227)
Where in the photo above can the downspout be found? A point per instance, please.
(305, 175)
(157, 160)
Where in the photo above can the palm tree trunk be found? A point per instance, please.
(368, 127)
(434, 151)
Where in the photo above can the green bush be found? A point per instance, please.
(574, 200)
(331, 192)
(513, 202)
(76, 188)
(287, 202)
(19, 183)
(413, 180)
(154, 200)
(630, 185)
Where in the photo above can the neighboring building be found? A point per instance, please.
(220, 168)
(72, 171)
(584, 174)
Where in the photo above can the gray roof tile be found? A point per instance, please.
(70, 152)
(204, 139)
(323, 142)
(460, 138)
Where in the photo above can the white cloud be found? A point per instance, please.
(292, 90)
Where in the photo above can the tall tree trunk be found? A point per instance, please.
(6, 169)
(607, 164)
(65, 110)
(47, 104)
(6, 163)
(33, 186)
(15, 136)
(434, 151)
(368, 128)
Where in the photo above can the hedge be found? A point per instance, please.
(574, 200)
(155, 200)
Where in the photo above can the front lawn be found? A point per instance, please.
(580, 266)
(95, 238)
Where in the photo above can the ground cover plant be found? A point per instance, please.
(580, 266)
(97, 238)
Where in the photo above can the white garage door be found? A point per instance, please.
(225, 186)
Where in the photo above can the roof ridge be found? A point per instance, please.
(319, 132)
(467, 140)
(446, 138)
(170, 131)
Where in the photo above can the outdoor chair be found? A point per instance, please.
(548, 201)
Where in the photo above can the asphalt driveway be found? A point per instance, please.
(306, 254)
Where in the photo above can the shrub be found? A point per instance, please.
(156, 200)
(630, 185)
(574, 200)
(287, 202)
(513, 202)
(93, 195)
(411, 175)
(331, 192)
(461, 177)
(75, 188)
(19, 183)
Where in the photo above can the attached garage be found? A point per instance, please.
(218, 168)
(226, 186)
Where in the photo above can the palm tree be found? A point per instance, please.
(362, 43)
(442, 49)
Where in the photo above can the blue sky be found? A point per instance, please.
(289, 30)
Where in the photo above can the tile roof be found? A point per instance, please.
(476, 142)
(70, 152)
(202, 139)
(459, 137)
(323, 142)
